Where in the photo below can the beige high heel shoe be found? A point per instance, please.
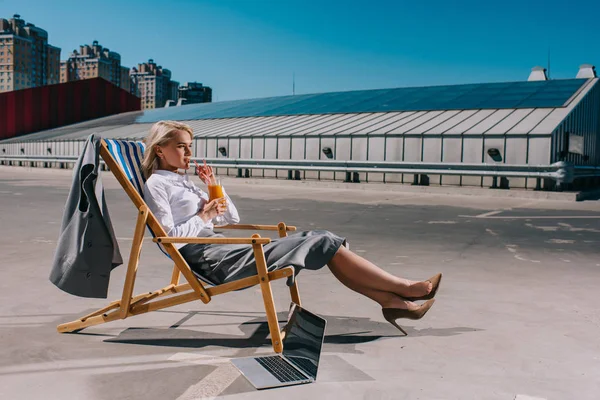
(392, 314)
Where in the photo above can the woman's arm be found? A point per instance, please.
(157, 198)
(231, 214)
(206, 174)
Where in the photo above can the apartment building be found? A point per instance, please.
(152, 83)
(26, 58)
(92, 62)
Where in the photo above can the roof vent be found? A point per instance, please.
(538, 74)
(586, 71)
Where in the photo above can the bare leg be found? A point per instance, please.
(356, 272)
(385, 299)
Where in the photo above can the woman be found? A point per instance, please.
(184, 210)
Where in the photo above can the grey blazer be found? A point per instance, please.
(87, 249)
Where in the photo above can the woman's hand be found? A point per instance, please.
(212, 209)
(205, 172)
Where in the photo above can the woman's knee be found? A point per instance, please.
(340, 253)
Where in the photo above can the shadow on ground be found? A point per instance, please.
(342, 332)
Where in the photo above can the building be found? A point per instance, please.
(41, 108)
(173, 90)
(194, 92)
(532, 122)
(152, 84)
(95, 61)
(26, 58)
(125, 81)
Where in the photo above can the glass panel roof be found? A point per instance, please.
(536, 94)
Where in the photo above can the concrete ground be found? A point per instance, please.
(517, 315)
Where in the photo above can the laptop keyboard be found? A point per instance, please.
(304, 364)
(280, 369)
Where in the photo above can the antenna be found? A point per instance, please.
(293, 83)
(548, 63)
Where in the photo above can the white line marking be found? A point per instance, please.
(491, 232)
(213, 384)
(518, 257)
(560, 241)
(441, 222)
(487, 214)
(573, 229)
(525, 397)
(513, 249)
(536, 217)
(199, 359)
(544, 228)
(43, 241)
(138, 363)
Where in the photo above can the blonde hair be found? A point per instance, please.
(160, 134)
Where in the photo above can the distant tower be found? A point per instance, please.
(548, 63)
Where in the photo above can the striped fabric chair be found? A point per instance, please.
(129, 156)
(124, 158)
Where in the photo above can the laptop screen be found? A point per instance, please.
(304, 339)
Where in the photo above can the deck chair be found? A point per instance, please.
(123, 158)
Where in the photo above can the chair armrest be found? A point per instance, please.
(255, 227)
(168, 239)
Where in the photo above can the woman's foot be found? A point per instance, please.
(416, 289)
(433, 285)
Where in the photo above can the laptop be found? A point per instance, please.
(304, 335)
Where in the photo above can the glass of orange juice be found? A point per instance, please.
(216, 192)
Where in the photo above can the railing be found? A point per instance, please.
(561, 172)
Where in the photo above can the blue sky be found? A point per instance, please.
(252, 48)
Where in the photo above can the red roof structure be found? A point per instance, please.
(46, 107)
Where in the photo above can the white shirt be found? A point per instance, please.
(175, 201)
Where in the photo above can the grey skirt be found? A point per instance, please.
(222, 263)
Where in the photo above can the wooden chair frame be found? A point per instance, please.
(194, 289)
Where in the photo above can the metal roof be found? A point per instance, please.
(538, 108)
(507, 95)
